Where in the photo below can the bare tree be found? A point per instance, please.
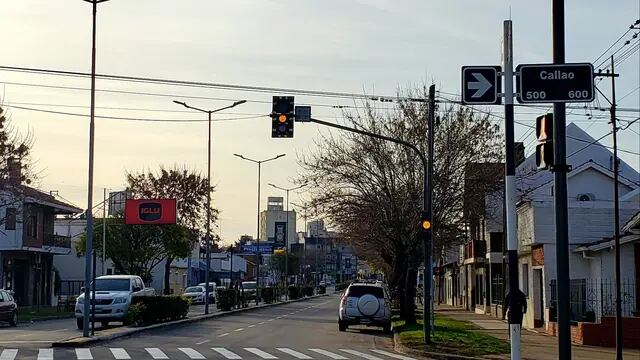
(371, 190)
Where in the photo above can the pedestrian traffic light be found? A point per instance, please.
(544, 149)
(282, 117)
(425, 223)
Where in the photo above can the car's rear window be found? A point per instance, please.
(358, 291)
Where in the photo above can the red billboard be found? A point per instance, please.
(150, 211)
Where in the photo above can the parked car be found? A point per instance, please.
(8, 308)
(250, 290)
(212, 291)
(195, 293)
(112, 298)
(365, 304)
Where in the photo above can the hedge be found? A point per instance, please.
(268, 294)
(308, 291)
(145, 310)
(322, 290)
(294, 292)
(343, 285)
(225, 298)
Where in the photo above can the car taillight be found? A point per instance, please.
(344, 300)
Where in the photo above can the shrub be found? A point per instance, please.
(294, 292)
(145, 310)
(322, 289)
(308, 291)
(225, 298)
(268, 294)
(343, 285)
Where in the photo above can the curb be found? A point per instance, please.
(79, 341)
(398, 347)
(46, 318)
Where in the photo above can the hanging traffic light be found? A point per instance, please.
(282, 117)
(544, 149)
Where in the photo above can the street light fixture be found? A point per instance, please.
(208, 237)
(286, 236)
(258, 254)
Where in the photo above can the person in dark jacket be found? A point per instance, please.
(515, 312)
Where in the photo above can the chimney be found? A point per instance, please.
(14, 169)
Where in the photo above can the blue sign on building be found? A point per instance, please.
(264, 249)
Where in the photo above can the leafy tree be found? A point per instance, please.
(371, 190)
(190, 189)
(277, 265)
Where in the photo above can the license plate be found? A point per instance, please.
(365, 321)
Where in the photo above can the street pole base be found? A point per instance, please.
(515, 339)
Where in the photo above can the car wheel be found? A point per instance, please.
(80, 323)
(342, 327)
(14, 319)
(104, 323)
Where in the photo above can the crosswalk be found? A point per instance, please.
(219, 353)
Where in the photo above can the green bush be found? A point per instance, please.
(343, 285)
(225, 298)
(145, 310)
(268, 294)
(308, 291)
(322, 290)
(294, 292)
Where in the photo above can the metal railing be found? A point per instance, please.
(57, 241)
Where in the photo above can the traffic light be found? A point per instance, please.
(425, 222)
(544, 149)
(282, 117)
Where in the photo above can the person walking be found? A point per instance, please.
(514, 308)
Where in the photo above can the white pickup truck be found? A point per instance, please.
(112, 298)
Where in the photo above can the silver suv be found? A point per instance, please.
(365, 304)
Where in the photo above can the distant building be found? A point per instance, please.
(276, 224)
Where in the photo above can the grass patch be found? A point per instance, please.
(450, 336)
(28, 314)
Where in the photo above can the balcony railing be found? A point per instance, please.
(57, 241)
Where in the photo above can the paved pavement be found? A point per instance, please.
(534, 345)
(303, 330)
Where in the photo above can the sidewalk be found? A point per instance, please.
(534, 345)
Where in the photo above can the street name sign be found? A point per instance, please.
(481, 85)
(549, 83)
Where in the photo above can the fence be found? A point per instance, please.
(591, 299)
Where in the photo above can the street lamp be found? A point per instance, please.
(89, 250)
(286, 237)
(208, 237)
(258, 254)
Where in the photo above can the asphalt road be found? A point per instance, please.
(303, 330)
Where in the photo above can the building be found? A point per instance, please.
(29, 242)
(276, 224)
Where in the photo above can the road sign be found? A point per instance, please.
(263, 248)
(548, 83)
(147, 211)
(303, 113)
(481, 85)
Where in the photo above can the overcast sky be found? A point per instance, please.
(372, 46)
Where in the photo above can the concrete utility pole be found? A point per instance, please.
(515, 312)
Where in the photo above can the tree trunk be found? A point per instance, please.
(410, 295)
(167, 275)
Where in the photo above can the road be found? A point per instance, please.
(303, 330)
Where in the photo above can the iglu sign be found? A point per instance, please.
(150, 211)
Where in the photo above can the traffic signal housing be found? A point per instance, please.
(425, 222)
(544, 149)
(282, 117)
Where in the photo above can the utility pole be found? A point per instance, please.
(515, 312)
(560, 170)
(104, 230)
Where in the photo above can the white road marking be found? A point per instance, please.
(294, 353)
(83, 354)
(45, 354)
(250, 326)
(262, 354)
(361, 354)
(240, 329)
(226, 353)
(270, 320)
(120, 354)
(386, 353)
(223, 335)
(8, 354)
(156, 353)
(202, 342)
(191, 353)
(329, 354)
(261, 323)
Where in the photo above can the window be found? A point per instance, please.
(10, 219)
(3, 296)
(359, 291)
(495, 241)
(525, 279)
(32, 226)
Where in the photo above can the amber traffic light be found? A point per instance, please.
(282, 117)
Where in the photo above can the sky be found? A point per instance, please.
(351, 46)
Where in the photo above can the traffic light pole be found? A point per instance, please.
(515, 310)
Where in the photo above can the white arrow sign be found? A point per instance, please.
(481, 86)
